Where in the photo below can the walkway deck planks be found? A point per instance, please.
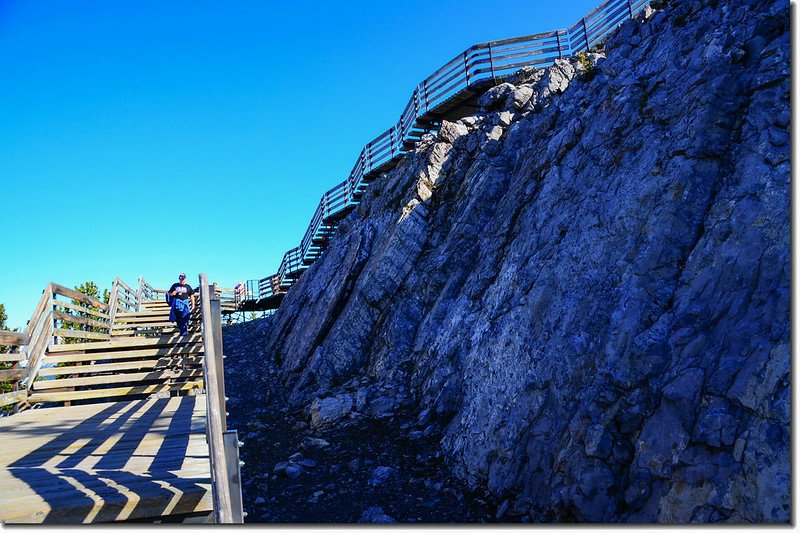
(133, 460)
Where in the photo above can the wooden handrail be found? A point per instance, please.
(223, 453)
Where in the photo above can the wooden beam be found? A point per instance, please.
(14, 374)
(13, 338)
(221, 491)
(79, 296)
(80, 320)
(10, 398)
(164, 362)
(111, 392)
(164, 340)
(196, 349)
(133, 377)
(81, 309)
(76, 334)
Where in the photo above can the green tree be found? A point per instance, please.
(89, 288)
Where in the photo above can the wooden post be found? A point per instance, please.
(491, 64)
(425, 88)
(220, 488)
(466, 68)
(558, 41)
(630, 8)
(231, 440)
(586, 34)
(216, 325)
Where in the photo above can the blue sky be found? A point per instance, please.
(157, 137)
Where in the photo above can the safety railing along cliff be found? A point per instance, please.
(448, 93)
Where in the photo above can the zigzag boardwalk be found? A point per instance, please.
(450, 93)
(125, 430)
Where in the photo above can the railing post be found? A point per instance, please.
(230, 440)
(425, 88)
(466, 68)
(586, 34)
(391, 141)
(491, 64)
(558, 42)
(630, 8)
(215, 404)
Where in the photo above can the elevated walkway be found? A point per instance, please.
(449, 94)
(116, 416)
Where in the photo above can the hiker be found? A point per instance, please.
(179, 298)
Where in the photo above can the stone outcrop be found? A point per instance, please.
(584, 286)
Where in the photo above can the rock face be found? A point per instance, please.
(585, 285)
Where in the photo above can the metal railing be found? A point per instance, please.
(469, 72)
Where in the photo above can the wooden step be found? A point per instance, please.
(143, 317)
(140, 364)
(132, 377)
(189, 349)
(128, 342)
(112, 392)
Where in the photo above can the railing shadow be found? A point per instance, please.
(72, 493)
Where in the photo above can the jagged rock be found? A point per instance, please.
(375, 515)
(327, 411)
(382, 476)
(496, 97)
(589, 296)
(313, 443)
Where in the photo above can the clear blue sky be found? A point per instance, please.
(155, 137)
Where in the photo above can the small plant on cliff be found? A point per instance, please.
(586, 65)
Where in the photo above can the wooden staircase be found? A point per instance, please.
(132, 422)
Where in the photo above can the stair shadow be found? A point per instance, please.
(66, 489)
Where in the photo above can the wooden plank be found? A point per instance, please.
(164, 340)
(75, 295)
(13, 338)
(223, 502)
(76, 334)
(230, 440)
(10, 398)
(193, 349)
(160, 317)
(134, 325)
(45, 303)
(133, 377)
(80, 320)
(11, 357)
(80, 308)
(165, 362)
(14, 374)
(111, 392)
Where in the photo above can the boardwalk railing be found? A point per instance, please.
(441, 95)
(62, 315)
(223, 443)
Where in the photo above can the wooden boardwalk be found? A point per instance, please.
(450, 93)
(111, 461)
(117, 417)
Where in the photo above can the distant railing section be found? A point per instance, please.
(471, 71)
(62, 315)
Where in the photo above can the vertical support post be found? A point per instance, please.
(216, 331)
(466, 68)
(491, 64)
(586, 34)
(231, 442)
(425, 89)
(630, 8)
(558, 41)
(391, 141)
(220, 486)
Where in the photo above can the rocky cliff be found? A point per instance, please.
(583, 289)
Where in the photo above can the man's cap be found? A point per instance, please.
(181, 275)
